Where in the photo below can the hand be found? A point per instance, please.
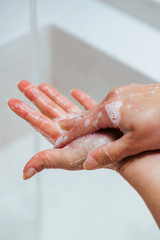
(54, 106)
(134, 110)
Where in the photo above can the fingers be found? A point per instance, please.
(41, 123)
(86, 101)
(67, 124)
(103, 116)
(45, 105)
(109, 154)
(59, 98)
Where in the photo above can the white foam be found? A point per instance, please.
(78, 119)
(71, 115)
(99, 115)
(87, 122)
(95, 123)
(128, 106)
(113, 111)
(153, 92)
(61, 139)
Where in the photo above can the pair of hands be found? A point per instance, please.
(121, 109)
(129, 121)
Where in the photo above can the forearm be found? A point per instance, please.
(143, 174)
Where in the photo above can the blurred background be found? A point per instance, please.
(94, 45)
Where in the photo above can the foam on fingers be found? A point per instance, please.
(113, 111)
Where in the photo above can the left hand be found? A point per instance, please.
(54, 106)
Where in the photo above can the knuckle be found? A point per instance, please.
(110, 157)
(105, 156)
(43, 162)
(113, 92)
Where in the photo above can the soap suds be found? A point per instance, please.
(78, 119)
(71, 115)
(128, 106)
(22, 107)
(113, 111)
(53, 94)
(99, 115)
(61, 139)
(27, 87)
(95, 123)
(87, 122)
(153, 92)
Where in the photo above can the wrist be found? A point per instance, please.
(143, 174)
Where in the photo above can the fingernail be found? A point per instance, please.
(90, 163)
(29, 173)
(61, 124)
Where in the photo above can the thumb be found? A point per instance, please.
(109, 153)
(51, 158)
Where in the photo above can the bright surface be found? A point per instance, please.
(113, 32)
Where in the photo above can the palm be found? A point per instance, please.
(54, 106)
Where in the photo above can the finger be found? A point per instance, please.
(109, 154)
(86, 101)
(59, 98)
(54, 158)
(45, 105)
(40, 122)
(106, 116)
(67, 124)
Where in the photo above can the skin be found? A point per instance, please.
(137, 117)
(141, 171)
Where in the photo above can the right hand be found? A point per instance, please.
(134, 110)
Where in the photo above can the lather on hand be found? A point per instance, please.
(133, 109)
